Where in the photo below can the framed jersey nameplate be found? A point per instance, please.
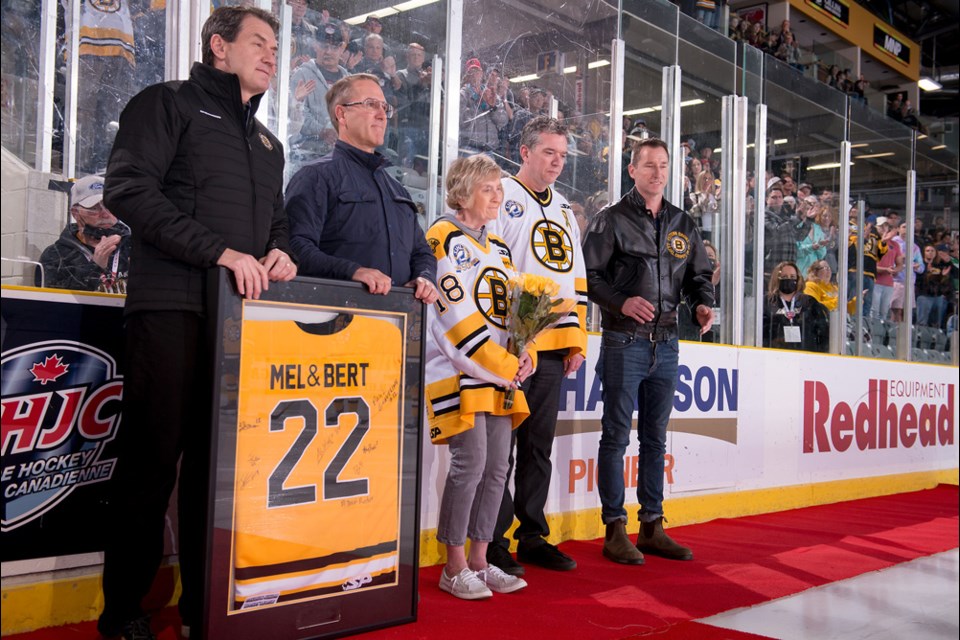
(315, 480)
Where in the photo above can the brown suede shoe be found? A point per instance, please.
(654, 540)
(617, 545)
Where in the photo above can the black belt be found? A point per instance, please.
(657, 335)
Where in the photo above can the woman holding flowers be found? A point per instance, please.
(468, 371)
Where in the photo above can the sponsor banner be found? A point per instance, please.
(837, 10)
(855, 25)
(890, 45)
(748, 419)
(702, 437)
(61, 390)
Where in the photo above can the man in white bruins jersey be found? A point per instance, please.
(541, 230)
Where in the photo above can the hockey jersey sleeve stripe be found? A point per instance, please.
(477, 346)
(466, 330)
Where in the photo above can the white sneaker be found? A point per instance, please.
(465, 585)
(497, 580)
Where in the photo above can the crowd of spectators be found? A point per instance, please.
(780, 43)
(326, 49)
(900, 109)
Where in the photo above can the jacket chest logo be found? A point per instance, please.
(678, 245)
(266, 142)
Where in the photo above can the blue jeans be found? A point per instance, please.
(883, 296)
(636, 374)
(708, 17)
(852, 292)
(930, 310)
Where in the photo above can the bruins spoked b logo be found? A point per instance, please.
(490, 293)
(678, 245)
(552, 245)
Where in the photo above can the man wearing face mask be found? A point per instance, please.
(92, 253)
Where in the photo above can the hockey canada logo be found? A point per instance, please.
(61, 406)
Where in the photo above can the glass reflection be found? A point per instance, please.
(397, 48)
(121, 52)
(800, 206)
(556, 56)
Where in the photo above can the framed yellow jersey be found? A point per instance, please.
(316, 449)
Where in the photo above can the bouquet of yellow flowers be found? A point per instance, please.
(531, 309)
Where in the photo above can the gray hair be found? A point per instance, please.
(530, 137)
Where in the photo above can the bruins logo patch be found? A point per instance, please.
(552, 245)
(490, 293)
(513, 208)
(678, 245)
(266, 142)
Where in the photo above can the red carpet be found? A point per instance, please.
(738, 562)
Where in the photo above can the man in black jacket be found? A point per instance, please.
(349, 219)
(200, 181)
(641, 255)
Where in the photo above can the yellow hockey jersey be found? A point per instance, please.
(316, 490)
(467, 364)
(544, 239)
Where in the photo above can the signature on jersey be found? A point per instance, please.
(357, 582)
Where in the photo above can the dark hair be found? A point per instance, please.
(226, 21)
(639, 145)
(538, 126)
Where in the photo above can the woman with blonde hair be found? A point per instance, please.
(468, 369)
(813, 246)
(819, 285)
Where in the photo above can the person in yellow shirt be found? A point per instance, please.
(820, 286)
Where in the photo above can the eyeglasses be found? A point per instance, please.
(372, 104)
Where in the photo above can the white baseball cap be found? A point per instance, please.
(87, 192)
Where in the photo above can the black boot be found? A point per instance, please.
(652, 539)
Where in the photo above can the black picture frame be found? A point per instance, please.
(328, 614)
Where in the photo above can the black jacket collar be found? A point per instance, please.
(637, 201)
(372, 161)
(223, 85)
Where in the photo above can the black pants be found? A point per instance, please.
(166, 413)
(533, 444)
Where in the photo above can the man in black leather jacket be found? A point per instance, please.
(200, 182)
(641, 254)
